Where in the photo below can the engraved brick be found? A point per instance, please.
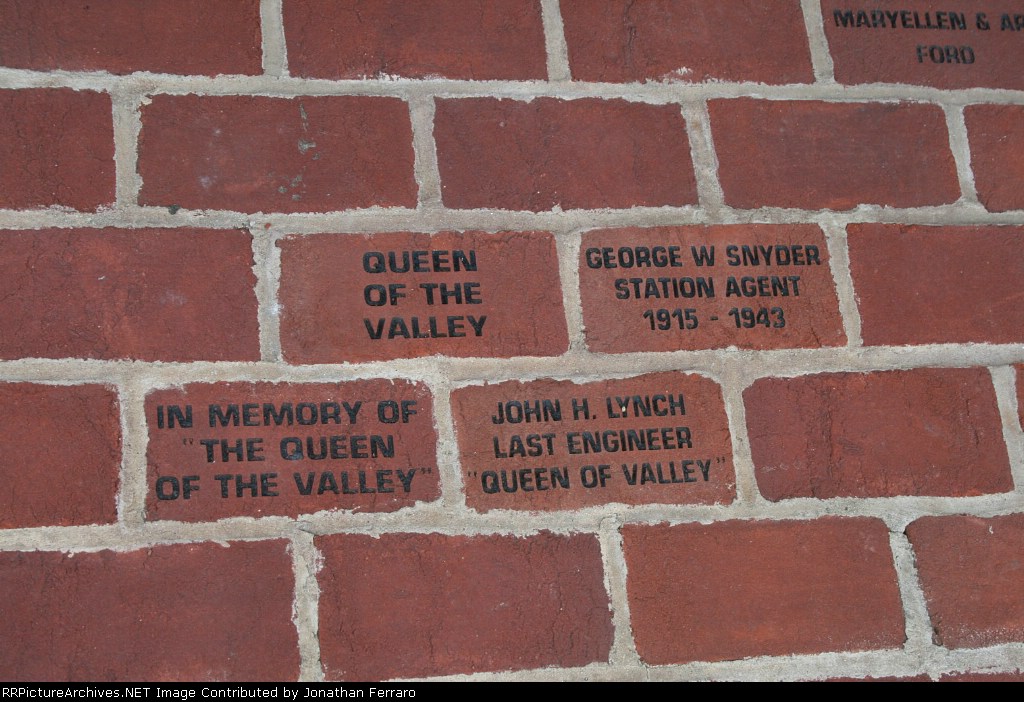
(407, 605)
(996, 135)
(928, 431)
(61, 448)
(550, 153)
(820, 155)
(209, 611)
(260, 154)
(256, 449)
(739, 589)
(58, 148)
(123, 36)
(401, 295)
(145, 294)
(550, 444)
(971, 572)
(934, 285)
(749, 286)
(922, 42)
(687, 40)
(461, 39)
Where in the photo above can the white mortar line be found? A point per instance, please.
(839, 261)
(581, 367)
(961, 148)
(306, 563)
(131, 500)
(425, 169)
(267, 267)
(651, 92)
(623, 652)
(373, 220)
(451, 480)
(747, 493)
(705, 160)
(554, 42)
(442, 518)
(821, 58)
(1004, 380)
(915, 610)
(127, 125)
(275, 51)
(568, 247)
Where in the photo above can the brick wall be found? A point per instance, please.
(281, 280)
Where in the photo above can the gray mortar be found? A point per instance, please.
(734, 369)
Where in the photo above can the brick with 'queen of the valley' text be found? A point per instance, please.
(348, 297)
(255, 449)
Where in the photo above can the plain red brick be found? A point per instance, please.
(144, 294)
(62, 452)
(820, 155)
(934, 285)
(617, 293)
(461, 39)
(516, 307)
(928, 431)
(620, 41)
(294, 438)
(880, 44)
(996, 135)
(186, 612)
(739, 589)
(679, 426)
(58, 148)
(1016, 676)
(548, 153)
(410, 605)
(123, 36)
(972, 575)
(249, 154)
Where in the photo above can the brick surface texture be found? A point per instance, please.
(499, 602)
(58, 149)
(763, 588)
(850, 435)
(972, 577)
(161, 613)
(372, 341)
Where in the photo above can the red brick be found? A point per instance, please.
(934, 285)
(516, 307)
(820, 155)
(541, 462)
(62, 452)
(249, 154)
(342, 463)
(123, 36)
(165, 613)
(895, 45)
(972, 575)
(1016, 676)
(461, 39)
(145, 294)
(620, 41)
(58, 148)
(614, 306)
(405, 605)
(996, 135)
(550, 153)
(738, 589)
(928, 431)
